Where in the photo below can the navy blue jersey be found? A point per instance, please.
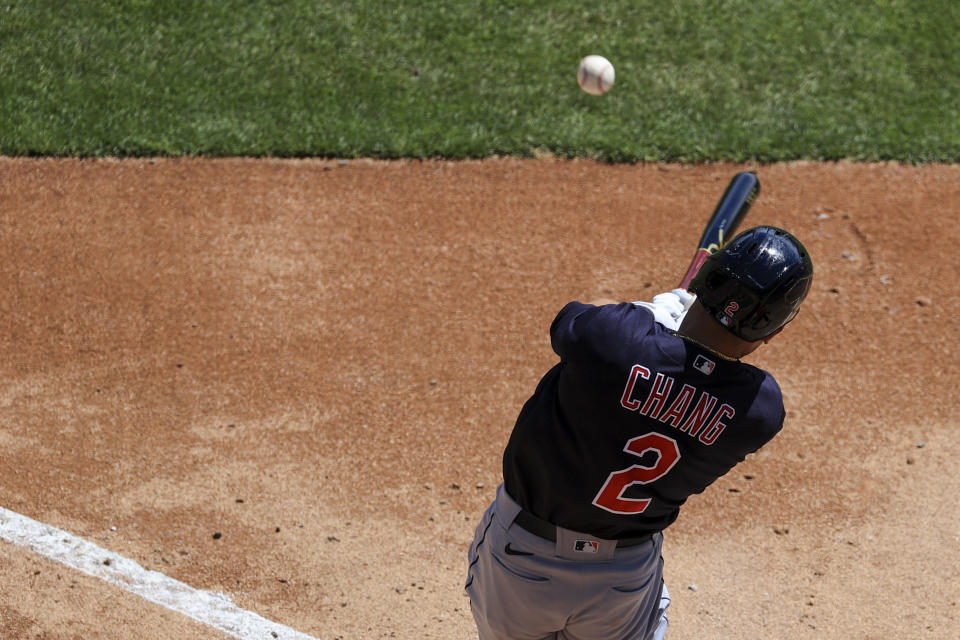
(631, 422)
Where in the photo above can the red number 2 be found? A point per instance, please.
(611, 497)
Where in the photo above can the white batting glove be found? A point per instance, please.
(670, 307)
(686, 298)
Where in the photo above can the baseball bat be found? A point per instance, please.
(733, 206)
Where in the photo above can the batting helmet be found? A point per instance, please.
(754, 285)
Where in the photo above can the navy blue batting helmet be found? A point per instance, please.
(754, 285)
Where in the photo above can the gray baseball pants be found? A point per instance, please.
(524, 587)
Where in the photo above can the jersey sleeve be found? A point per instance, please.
(584, 330)
(767, 413)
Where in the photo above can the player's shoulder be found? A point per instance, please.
(587, 323)
(764, 378)
(767, 388)
(766, 410)
(582, 330)
(606, 316)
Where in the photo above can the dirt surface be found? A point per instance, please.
(321, 361)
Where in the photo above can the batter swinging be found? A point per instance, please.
(649, 404)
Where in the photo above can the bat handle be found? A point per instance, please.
(698, 259)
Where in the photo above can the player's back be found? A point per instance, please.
(632, 421)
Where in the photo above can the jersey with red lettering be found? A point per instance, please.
(631, 422)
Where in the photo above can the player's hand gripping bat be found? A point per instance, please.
(733, 206)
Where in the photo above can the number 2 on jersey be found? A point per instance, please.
(611, 497)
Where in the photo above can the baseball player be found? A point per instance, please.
(649, 404)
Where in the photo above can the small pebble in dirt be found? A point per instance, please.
(921, 445)
(693, 587)
(333, 539)
(217, 535)
(924, 301)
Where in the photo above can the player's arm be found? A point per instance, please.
(668, 308)
(586, 330)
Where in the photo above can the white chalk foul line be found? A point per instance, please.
(212, 609)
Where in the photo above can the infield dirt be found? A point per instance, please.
(321, 361)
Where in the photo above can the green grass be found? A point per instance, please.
(697, 80)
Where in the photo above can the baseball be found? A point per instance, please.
(595, 75)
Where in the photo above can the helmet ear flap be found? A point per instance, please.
(714, 280)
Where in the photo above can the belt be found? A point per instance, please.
(539, 527)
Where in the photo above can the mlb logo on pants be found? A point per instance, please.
(586, 546)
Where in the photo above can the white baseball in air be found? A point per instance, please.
(595, 75)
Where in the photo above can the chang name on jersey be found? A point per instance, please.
(686, 408)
